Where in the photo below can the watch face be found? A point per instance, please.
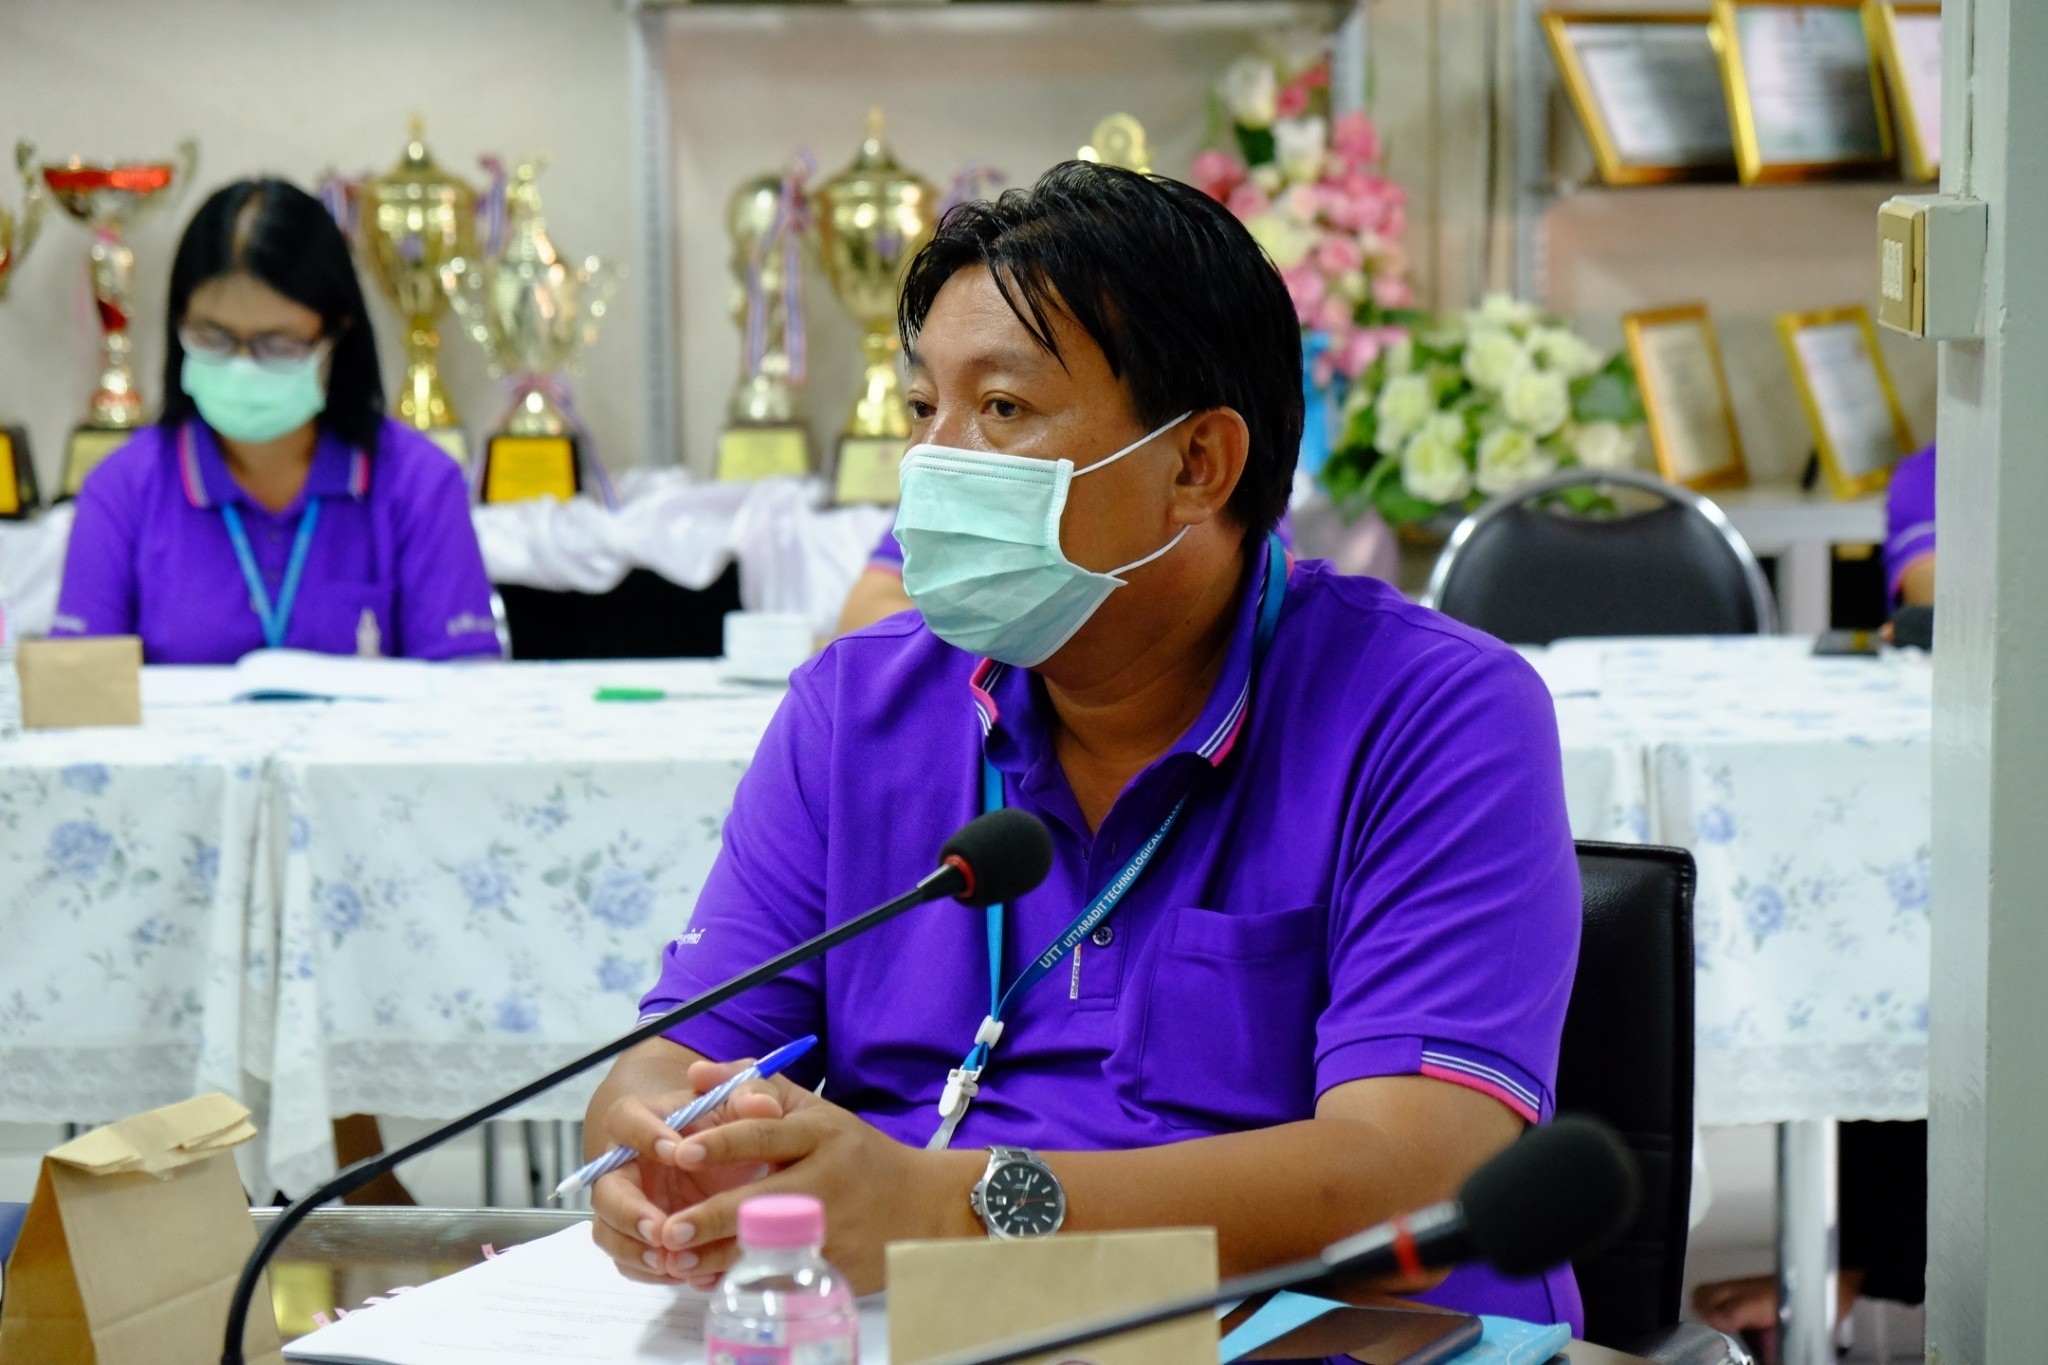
(1023, 1200)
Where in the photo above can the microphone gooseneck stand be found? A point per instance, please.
(954, 878)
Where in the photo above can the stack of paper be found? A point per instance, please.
(557, 1301)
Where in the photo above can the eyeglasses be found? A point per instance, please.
(271, 350)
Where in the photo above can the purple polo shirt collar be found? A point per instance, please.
(337, 472)
(1012, 708)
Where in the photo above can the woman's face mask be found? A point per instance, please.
(981, 550)
(253, 402)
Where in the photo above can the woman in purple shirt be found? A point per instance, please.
(1310, 851)
(273, 503)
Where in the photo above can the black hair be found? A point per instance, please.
(277, 233)
(1186, 307)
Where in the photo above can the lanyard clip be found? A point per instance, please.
(961, 1086)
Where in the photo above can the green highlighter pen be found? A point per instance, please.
(631, 694)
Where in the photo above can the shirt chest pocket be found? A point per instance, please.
(1229, 1019)
(351, 618)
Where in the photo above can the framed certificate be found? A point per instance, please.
(1857, 424)
(1647, 90)
(1908, 39)
(1685, 392)
(1803, 89)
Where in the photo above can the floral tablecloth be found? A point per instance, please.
(465, 893)
(1804, 789)
(408, 907)
(125, 862)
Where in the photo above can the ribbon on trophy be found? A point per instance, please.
(491, 210)
(975, 180)
(337, 194)
(555, 389)
(785, 233)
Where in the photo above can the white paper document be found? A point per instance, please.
(557, 1301)
(290, 674)
(1659, 91)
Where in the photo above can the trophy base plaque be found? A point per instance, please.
(19, 494)
(866, 470)
(451, 440)
(517, 468)
(765, 451)
(88, 446)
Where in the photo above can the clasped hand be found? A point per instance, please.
(672, 1216)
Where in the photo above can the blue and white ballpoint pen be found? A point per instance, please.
(690, 1113)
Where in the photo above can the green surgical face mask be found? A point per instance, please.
(244, 401)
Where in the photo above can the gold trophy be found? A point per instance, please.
(871, 219)
(1119, 140)
(109, 198)
(533, 313)
(765, 436)
(411, 221)
(19, 495)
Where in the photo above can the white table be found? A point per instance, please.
(406, 907)
(1803, 788)
(331, 907)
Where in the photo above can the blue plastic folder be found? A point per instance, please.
(1502, 1341)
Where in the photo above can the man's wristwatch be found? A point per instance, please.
(1018, 1195)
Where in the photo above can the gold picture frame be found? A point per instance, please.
(1916, 117)
(1617, 166)
(1677, 360)
(1760, 133)
(1851, 406)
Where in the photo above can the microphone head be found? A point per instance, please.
(1004, 853)
(1565, 1190)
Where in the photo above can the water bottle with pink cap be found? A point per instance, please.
(782, 1303)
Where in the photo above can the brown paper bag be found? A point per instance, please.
(96, 681)
(133, 1243)
(947, 1296)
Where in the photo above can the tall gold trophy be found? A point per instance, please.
(871, 219)
(764, 434)
(533, 313)
(109, 198)
(411, 221)
(19, 495)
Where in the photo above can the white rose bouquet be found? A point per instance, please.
(1478, 405)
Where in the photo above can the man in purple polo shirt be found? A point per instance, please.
(1337, 985)
(274, 503)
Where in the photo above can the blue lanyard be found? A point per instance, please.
(962, 1084)
(276, 617)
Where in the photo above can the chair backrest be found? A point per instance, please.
(1627, 1058)
(1530, 575)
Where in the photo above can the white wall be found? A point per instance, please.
(296, 89)
(1018, 89)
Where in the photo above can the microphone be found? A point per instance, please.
(995, 857)
(1566, 1189)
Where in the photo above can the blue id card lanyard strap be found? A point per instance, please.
(963, 1082)
(276, 617)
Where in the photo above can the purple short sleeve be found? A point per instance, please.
(443, 609)
(764, 894)
(888, 554)
(98, 593)
(1909, 514)
(1458, 924)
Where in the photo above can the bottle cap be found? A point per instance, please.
(782, 1220)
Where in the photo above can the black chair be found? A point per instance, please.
(1626, 1058)
(1530, 573)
